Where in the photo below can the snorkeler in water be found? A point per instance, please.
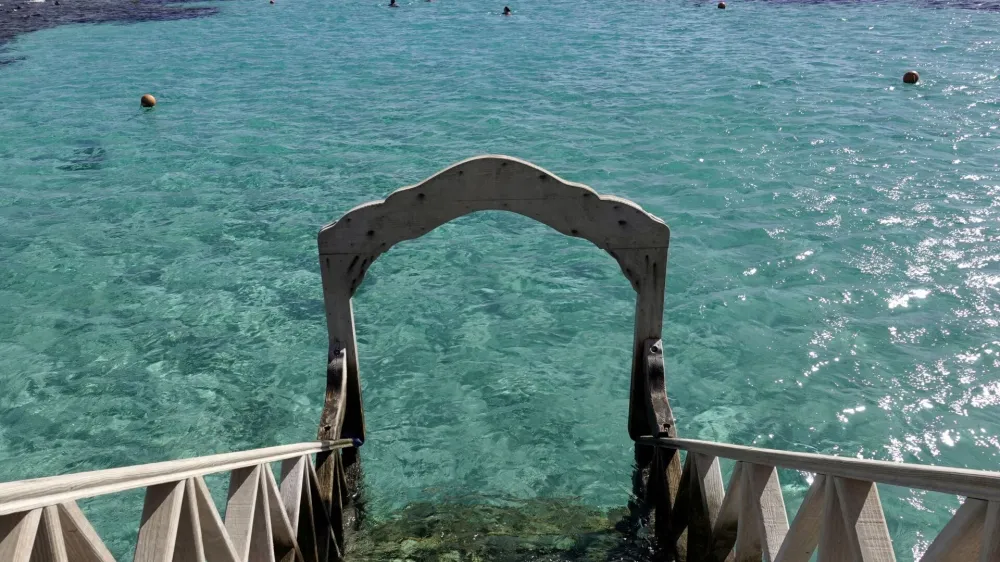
(506, 11)
(393, 4)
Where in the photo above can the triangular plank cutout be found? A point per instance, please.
(189, 547)
(17, 535)
(321, 518)
(49, 543)
(161, 515)
(215, 539)
(248, 515)
(286, 547)
(803, 535)
(82, 542)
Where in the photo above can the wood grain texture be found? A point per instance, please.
(803, 534)
(332, 417)
(727, 523)
(768, 508)
(242, 507)
(286, 547)
(327, 548)
(705, 499)
(867, 532)
(961, 537)
(215, 539)
(189, 546)
(959, 481)
(293, 472)
(82, 542)
(833, 539)
(990, 550)
(262, 531)
(635, 239)
(161, 514)
(50, 546)
(17, 535)
(749, 529)
(26, 495)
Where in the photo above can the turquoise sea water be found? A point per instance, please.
(833, 278)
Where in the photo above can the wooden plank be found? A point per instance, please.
(262, 532)
(706, 494)
(727, 523)
(161, 513)
(286, 547)
(241, 508)
(215, 538)
(768, 508)
(803, 535)
(749, 530)
(82, 542)
(293, 472)
(833, 533)
(960, 481)
(961, 537)
(307, 516)
(49, 543)
(17, 535)
(26, 495)
(867, 532)
(189, 546)
(326, 548)
(990, 551)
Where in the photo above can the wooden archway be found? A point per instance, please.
(637, 240)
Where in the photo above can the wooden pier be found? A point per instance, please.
(308, 516)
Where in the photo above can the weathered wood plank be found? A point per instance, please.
(990, 551)
(327, 549)
(286, 547)
(161, 513)
(241, 508)
(803, 535)
(768, 507)
(867, 532)
(262, 548)
(293, 473)
(189, 546)
(17, 535)
(833, 539)
(961, 537)
(749, 530)
(960, 481)
(26, 495)
(50, 546)
(215, 537)
(82, 542)
(706, 495)
(727, 523)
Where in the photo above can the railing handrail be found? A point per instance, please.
(24, 495)
(979, 484)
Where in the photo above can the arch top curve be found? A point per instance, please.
(492, 183)
(637, 240)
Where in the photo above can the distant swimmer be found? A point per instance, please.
(393, 4)
(506, 11)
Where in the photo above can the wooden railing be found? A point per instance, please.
(840, 518)
(296, 520)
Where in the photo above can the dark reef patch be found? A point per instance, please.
(22, 16)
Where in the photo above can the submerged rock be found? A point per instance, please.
(537, 530)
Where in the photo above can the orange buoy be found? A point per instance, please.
(911, 77)
(722, 5)
(147, 101)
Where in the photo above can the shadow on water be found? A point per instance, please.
(543, 530)
(23, 16)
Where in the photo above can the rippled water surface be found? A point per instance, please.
(833, 279)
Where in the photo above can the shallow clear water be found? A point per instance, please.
(833, 280)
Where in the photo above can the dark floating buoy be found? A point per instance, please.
(911, 77)
(722, 5)
(147, 101)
